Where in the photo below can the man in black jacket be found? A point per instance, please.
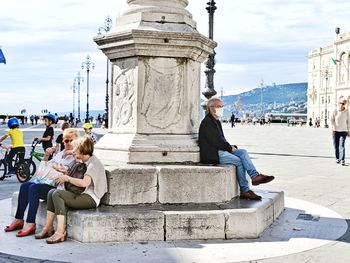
(214, 149)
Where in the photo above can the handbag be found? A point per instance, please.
(78, 170)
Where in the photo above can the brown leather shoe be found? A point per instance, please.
(249, 195)
(262, 179)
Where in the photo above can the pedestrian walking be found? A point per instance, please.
(310, 122)
(232, 120)
(340, 121)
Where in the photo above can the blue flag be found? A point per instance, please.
(2, 57)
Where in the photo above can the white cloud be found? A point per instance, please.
(45, 42)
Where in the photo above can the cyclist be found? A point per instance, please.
(88, 131)
(46, 140)
(17, 141)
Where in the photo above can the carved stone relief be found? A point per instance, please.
(162, 99)
(124, 95)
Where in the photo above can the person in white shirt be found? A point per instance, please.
(340, 121)
(93, 184)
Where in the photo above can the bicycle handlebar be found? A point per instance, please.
(35, 142)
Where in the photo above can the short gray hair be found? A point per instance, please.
(212, 101)
(343, 99)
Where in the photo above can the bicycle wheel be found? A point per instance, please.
(32, 167)
(23, 172)
(3, 169)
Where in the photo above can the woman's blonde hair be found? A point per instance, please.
(84, 145)
(71, 133)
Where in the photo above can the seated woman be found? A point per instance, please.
(94, 182)
(31, 192)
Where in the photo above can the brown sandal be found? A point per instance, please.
(44, 233)
(57, 238)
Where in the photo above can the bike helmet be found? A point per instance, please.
(13, 122)
(51, 117)
(87, 125)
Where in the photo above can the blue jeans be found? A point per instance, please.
(31, 193)
(243, 163)
(339, 144)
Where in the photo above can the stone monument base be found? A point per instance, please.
(157, 222)
(130, 184)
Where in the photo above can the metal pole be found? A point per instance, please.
(87, 64)
(325, 117)
(261, 98)
(107, 97)
(74, 99)
(87, 95)
(326, 74)
(106, 28)
(79, 79)
(209, 90)
(79, 96)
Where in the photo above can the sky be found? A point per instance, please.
(46, 41)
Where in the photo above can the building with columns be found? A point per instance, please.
(328, 78)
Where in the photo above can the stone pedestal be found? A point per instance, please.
(170, 184)
(156, 55)
(156, 189)
(157, 222)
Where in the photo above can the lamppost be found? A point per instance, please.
(74, 89)
(79, 79)
(87, 64)
(209, 90)
(106, 28)
(327, 75)
(261, 98)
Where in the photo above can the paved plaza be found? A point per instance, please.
(301, 159)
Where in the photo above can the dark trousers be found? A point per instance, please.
(339, 144)
(18, 150)
(59, 200)
(30, 194)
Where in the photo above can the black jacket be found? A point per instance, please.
(211, 139)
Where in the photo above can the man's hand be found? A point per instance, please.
(234, 148)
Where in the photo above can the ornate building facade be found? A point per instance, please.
(328, 78)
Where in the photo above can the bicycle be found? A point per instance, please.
(30, 162)
(21, 168)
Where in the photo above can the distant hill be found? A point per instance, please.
(276, 98)
(282, 98)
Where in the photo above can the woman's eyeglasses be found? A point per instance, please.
(67, 141)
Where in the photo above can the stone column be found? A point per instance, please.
(156, 54)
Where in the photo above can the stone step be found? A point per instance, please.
(230, 220)
(170, 184)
